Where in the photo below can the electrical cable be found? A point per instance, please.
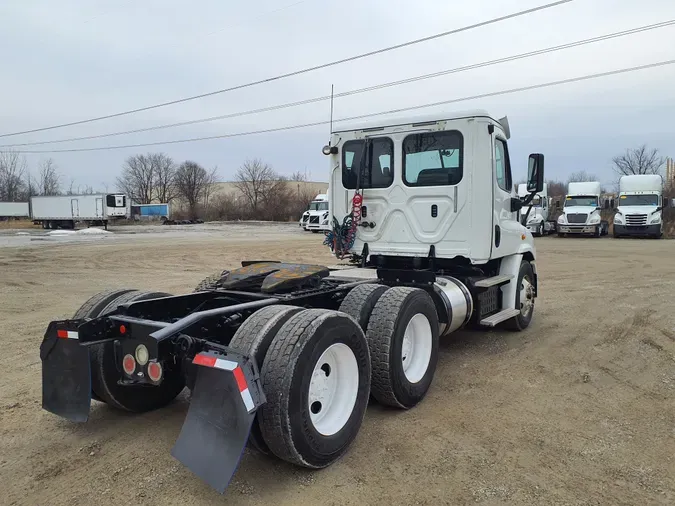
(287, 105)
(297, 72)
(365, 116)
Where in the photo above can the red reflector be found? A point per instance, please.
(207, 360)
(123, 329)
(154, 371)
(241, 379)
(63, 334)
(129, 364)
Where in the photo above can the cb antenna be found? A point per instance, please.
(331, 109)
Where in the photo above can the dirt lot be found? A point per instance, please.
(579, 409)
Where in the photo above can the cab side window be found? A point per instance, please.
(502, 165)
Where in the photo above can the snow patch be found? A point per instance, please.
(93, 231)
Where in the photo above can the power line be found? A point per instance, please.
(298, 72)
(455, 70)
(365, 116)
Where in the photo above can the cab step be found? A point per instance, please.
(502, 279)
(497, 318)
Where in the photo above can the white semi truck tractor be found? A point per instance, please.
(285, 357)
(581, 211)
(537, 219)
(317, 214)
(639, 206)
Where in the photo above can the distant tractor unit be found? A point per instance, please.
(65, 211)
(639, 206)
(537, 220)
(315, 218)
(14, 210)
(581, 211)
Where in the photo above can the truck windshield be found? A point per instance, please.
(638, 200)
(580, 200)
(318, 206)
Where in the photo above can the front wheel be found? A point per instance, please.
(525, 296)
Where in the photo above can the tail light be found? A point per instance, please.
(155, 371)
(129, 364)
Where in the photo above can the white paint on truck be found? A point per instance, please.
(581, 210)
(14, 210)
(639, 206)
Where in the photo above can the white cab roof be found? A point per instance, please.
(640, 183)
(389, 121)
(584, 188)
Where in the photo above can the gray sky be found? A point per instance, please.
(73, 59)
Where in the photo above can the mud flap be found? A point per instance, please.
(66, 375)
(224, 401)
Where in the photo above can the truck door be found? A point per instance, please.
(99, 208)
(75, 208)
(506, 227)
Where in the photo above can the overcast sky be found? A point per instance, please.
(74, 59)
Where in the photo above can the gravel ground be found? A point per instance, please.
(576, 410)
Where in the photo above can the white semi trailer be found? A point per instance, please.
(64, 211)
(581, 211)
(640, 203)
(537, 219)
(14, 210)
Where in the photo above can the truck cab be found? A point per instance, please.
(581, 211)
(536, 219)
(433, 192)
(317, 214)
(640, 203)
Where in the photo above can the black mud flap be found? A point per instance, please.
(225, 398)
(66, 375)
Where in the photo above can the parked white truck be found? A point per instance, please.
(639, 206)
(64, 211)
(537, 220)
(14, 210)
(581, 211)
(317, 214)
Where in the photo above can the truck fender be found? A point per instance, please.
(510, 266)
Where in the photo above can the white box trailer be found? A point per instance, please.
(14, 210)
(64, 211)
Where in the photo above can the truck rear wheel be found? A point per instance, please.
(403, 339)
(91, 309)
(524, 298)
(316, 378)
(105, 372)
(254, 338)
(359, 303)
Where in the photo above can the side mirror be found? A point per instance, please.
(535, 173)
(516, 205)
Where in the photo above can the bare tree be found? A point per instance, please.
(556, 189)
(138, 179)
(257, 182)
(299, 177)
(12, 172)
(641, 160)
(71, 187)
(580, 177)
(193, 182)
(164, 170)
(49, 180)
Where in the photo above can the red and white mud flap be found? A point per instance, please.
(225, 398)
(66, 375)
